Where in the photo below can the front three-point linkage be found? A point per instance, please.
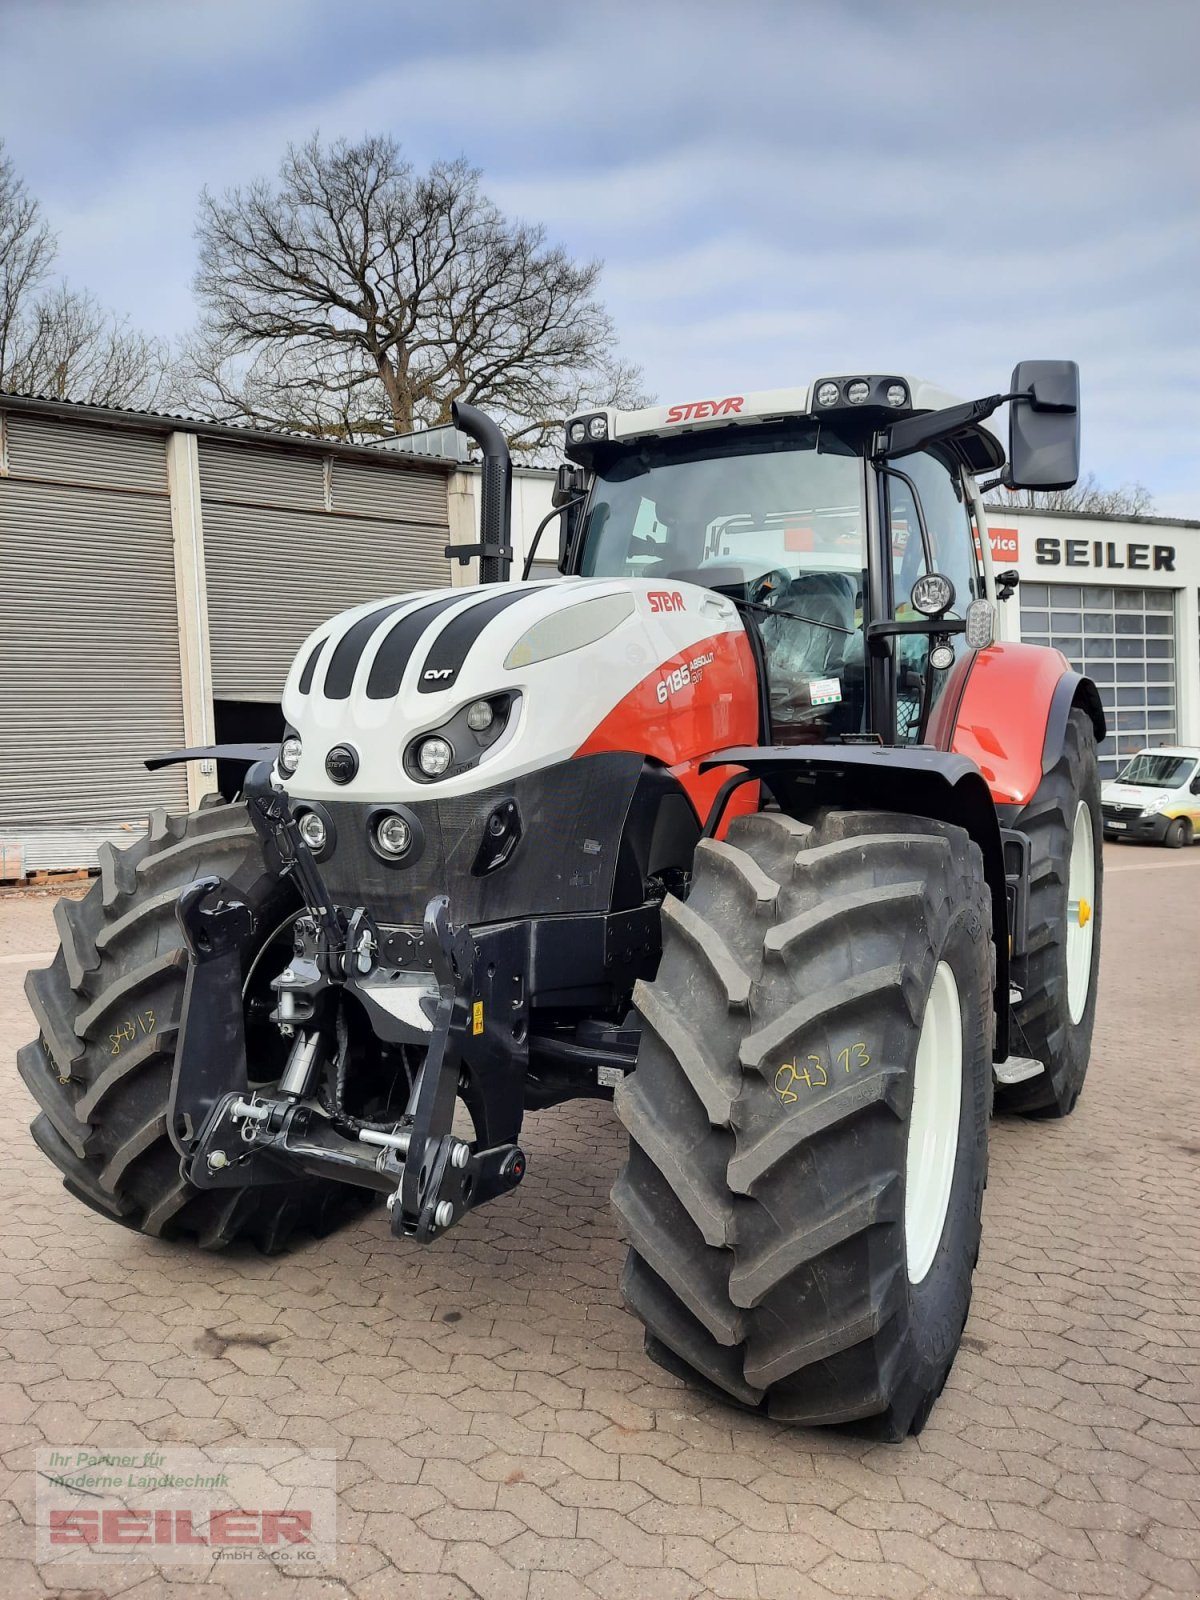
(228, 1136)
(450, 1177)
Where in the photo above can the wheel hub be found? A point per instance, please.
(933, 1123)
(1081, 928)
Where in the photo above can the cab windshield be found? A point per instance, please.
(1152, 770)
(775, 520)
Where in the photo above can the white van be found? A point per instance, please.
(1156, 796)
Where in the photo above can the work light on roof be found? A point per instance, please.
(858, 391)
(897, 394)
(578, 432)
(828, 394)
(598, 428)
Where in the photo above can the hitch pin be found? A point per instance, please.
(388, 1141)
(248, 1111)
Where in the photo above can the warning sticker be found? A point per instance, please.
(825, 691)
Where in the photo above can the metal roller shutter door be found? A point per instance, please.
(275, 573)
(89, 661)
(1124, 639)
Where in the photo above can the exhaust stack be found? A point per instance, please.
(495, 517)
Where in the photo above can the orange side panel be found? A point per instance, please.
(1000, 719)
(702, 700)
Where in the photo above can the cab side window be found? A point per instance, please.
(951, 533)
(948, 520)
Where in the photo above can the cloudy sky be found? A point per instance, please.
(779, 188)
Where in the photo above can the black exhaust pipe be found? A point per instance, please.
(495, 515)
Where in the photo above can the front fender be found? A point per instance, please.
(1006, 709)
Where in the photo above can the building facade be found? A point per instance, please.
(1121, 600)
(158, 575)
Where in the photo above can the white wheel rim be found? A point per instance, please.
(1081, 903)
(933, 1124)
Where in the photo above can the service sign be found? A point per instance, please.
(1005, 545)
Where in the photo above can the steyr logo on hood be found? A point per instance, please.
(665, 600)
(701, 410)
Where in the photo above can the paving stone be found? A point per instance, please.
(502, 1436)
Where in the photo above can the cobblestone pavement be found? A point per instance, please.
(500, 1433)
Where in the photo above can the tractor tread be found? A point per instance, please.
(761, 1273)
(102, 1115)
(800, 1305)
(710, 1208)
(733, 978)
(714, 1087)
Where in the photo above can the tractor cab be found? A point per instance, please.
(842, 519)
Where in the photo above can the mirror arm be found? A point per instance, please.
(555, 511)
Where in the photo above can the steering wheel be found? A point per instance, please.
(765, 591)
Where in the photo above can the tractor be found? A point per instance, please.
(747, 822)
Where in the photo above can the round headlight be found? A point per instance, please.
(480, 716)
(578, 433)
(941, 657)
(434, 756)
(857, 392)
(393, 836)
(932, 594)
(312, 831)
(827, 394)
(598, 428)
(897, 394)
(290, 752)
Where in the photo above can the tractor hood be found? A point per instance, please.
(514, 677)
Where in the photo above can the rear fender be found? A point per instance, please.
(1006, 709)
(940, 784)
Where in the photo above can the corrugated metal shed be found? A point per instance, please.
(294, 530)
(89, 639)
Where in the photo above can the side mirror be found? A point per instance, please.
(1006, 583)
(569, 484)
(1043, 425)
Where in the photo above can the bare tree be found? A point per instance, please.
(27, 249)
(356, 298)
(59, 341)
(1088, 497)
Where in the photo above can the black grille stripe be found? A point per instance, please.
(310, 666)
(452, 646)
(394, 653)
(339, 679)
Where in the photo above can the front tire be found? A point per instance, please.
(1178, 834)
(109, 1007)
(803, 1193)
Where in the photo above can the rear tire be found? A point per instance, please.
(109, 1009)
(773, 1218)
(1044, 1024)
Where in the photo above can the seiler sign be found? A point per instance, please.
(1108, 554)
